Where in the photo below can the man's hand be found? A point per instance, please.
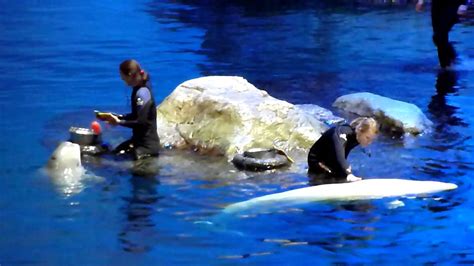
(419, 6)
(353, 178)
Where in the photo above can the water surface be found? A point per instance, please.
(60, 62)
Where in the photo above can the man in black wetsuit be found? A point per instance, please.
(327, 158)
(444, 14)
(145, 141)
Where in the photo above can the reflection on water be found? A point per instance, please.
(446, 83)
(64, 57)
(146, 168)
(450, 135)
(362, 231)
(139, 231)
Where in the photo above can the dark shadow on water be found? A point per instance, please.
(278, 7)
(146, 168)
(447, 119)
(446, 83)
(358, 219)
(445, 204)
(139, 232)
(449, 135)
(448, 125)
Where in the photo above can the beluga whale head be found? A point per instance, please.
(65, 167)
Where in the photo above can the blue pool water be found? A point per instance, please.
(60, 61)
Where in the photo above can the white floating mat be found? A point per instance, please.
(360, 190)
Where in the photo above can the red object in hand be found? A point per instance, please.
(95, 126)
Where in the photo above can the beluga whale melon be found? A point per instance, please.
(65, 167)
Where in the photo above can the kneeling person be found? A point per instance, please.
(327, 159)
(142, 120)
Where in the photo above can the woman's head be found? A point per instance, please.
(132, 74)
(366, 129)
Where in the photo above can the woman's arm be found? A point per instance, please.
(143, 105)
(339, 141)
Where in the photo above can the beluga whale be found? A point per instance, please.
(65, 167)
(366, 189)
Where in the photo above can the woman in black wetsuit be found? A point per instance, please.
(142, 120)
(327, 158)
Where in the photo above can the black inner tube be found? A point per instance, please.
(260, 160)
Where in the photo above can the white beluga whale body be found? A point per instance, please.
(360, 190)
(65, 167)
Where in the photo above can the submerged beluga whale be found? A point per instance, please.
(360, 190)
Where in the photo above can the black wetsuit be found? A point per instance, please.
(444, 14)
(331, 150)
(145, 141)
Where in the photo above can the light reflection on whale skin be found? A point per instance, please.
(66, 171)
(65, 168)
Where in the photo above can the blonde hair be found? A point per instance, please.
(365, 124)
